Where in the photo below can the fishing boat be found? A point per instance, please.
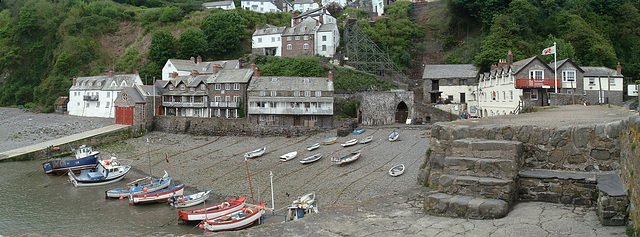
(146, 184)
(85, 158)
(288, 156)
(256, 153)
(358, 131)
(350, 143)
(329, 141)
(393, 136)
(313, 147)
(301, 206)
(366, 140)
(105, 172)
(189, 200)
(237, 220)
(161, 195)
(311, 159)
(396, 170)
(212, 211)
(351, 157)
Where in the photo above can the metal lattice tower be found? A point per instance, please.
(364, 55)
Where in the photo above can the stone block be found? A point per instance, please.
(458, 205)
(494, 208)
(582, 135)
(437, 203)
(600, 154)
(559, 136)
(473, 209)
(613, 129)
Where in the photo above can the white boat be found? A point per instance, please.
(351, 157)
(105, 172)
(301, 206)
(311, 159)
(350, 143)
(138, 186)
(256, 153)
(212, 211)
(189, 200)
(393, 136)
(288, 156)
(366, 140)
(313, 147)
(237, 220)
(396, 170)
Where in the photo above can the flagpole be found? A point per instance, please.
(555, 59)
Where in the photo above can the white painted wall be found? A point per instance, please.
(77, 106)
(616, 86)
(303, 7)
(259, 6)
(168, 69)
(341, 2)
(507, 99)
(377, 6)
(332, 42)
(268, 41)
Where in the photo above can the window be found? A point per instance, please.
(288, 38)
(124, 96)
(273, 39)
(297, 37)
(536, 74)
(273, 93)
(306, 37)
(227, 86)
(511, 96)
(227, 98)
(218, 87)
(107, 104)
(296, 93)
(534, 94)
(463, 81)
(90, 83)
(236, 98)
(318, 93)
(182, 87)
(203, 87)
(612, 81)
(324, 38)
(217, 98)
(108, 94)
(305, 46)
(98, 104)
(274, 79)
(192, 89)
(259, 40)
(592, 81)
(236, 86)
(324, 48)
(306, 80)
(288, 46)
(307, 94)
(170, 87)
(504, 95)
(568, 75)
(450, 98)
(449, 82)
(262, 93)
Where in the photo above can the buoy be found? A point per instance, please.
(201, 226)
(121, 197)
(168, 199)
(145, 189)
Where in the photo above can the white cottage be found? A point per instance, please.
(225, 5)
(95, 96)
(305, 5)
(264, 6)
(267, 40)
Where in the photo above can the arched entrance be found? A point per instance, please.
(402, 112)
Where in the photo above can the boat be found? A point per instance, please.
(366, 140)
(288, 156)
(329, 141)
(301, 206)
(396, 170)
(358, 131)
(313, 147)
(189, 200)
(212, 211)
(105, 172)
(393, 136)
(146, 184)
(161, 195)
(311, 159)
(256, 153)
(85, 158)
(236, 221)
(350, 143)
(351, 157)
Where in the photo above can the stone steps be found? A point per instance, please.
(477, 186)
(465, 206)
(481, 167)
(497, 149)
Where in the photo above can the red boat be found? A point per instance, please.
(236, 221)
(211, 212)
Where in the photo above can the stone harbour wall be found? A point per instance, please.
(630, 166)
(227, 127)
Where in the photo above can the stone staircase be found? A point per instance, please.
(474, 178)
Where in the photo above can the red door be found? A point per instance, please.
(124, 115)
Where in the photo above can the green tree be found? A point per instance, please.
(162, 48)
(129, 61)
(192, 43)
(224, 31)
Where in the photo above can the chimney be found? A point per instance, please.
(253, 66)
(619, 69)
(216, 68)
(74, 81)
(137, 72)
(111, 73)
(509, 58)
(193, 59)
(321, 19)
(199, 59)
(194, 73)
(502, 63)
(494, 67)
(174, 75)
(330, 76)
(256, 72)
(240, 63)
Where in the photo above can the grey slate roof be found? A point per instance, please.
(190, 81)
(231, 76)
(600, 72)
(105, 82)
(148, 90)
(217, 4)
(134, 94)
(290, 84)
(306, 27)
(563, 61)
(303, 1)
(269, 30)
(327, 27)
(226, 64)
(439, 71)
(188, 65)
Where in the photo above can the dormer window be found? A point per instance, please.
(82, 83)
(218, 87)
(202, 87)
(236, 86)
(262, 93)
(90, 83)
(182, 87)
(113, 83)
(171, 87)
(306, 80)
(307, 94)
(227, 86)
(274, 79)
(99, 84)
(123, 84)
(192, 89)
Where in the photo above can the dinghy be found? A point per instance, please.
(311, 159)
(256, 153)
(138, 186)
(212, 211)
(288, 156)
(313, 147)
(393, 136)
(237, 220)
(329, 141)
(396, 170)
(189, 200)
(351, 157)
(366, 140)
(358, 131)
(158, 196)
(350, 143)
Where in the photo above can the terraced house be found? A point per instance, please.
(94, 96)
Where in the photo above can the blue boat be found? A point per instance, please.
(393, 136)
(138, 186)
(85, 158)
(105, 172)
(358, 131)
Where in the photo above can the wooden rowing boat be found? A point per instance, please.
(138, 186)
(351, 157)
(366, 140)
(396, 170)
(237, 220)
(329, 141)
(189, 200)
(211, 211)
(311, 159)
(350, 143)
(313, 147)
(256, 153)
(393, 136)
(358, 131)
(158, 196)
(288, 156)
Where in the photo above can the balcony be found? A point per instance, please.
(184, 104)
(291, 111)
(91, 97)
(537, 83)
(229, 104)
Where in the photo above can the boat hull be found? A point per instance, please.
(190, 200)
(155, 185)
(353, 156)
(80, 181)
(329, 141)
(393, 136)
(313, 147)
(60, 167)
(350, 143)
(367, 140)
(234, 224)
(157, 196)
(311, 159)
(396, 170)
(256, 153)
(213, 211)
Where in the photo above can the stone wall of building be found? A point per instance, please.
(379, 107)
(566, 99)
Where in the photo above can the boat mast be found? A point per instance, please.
(249, 175)
(273, 204)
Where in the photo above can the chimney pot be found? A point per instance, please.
(509, 57)
(330, 76)
(256, 72)
(193, 59)
(619, 69)
(174, 75)
(240, 63)
(111, 73)
(194, 72)
(74, 81)
(216, 68)
(199, 59)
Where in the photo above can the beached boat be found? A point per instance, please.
(85, 158)
(212, 211)
(237, 220)
(358, 131)
(189, 200)
(351, 157)
(393, 136)
(313, 147)
(301, 206)
(256, 153)
(349, 143)
(288, 156)
(161, 195)
(105, 172)
(146, 184)
(311, 159)
(329, 141)
(396, 170)
(366, 140)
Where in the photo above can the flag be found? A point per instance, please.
(550, 50)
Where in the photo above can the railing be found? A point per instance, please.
(537, 83)
(184, 104)
(91, 97)
(291, 111)
(225, 104)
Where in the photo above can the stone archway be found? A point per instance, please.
(402, 112)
